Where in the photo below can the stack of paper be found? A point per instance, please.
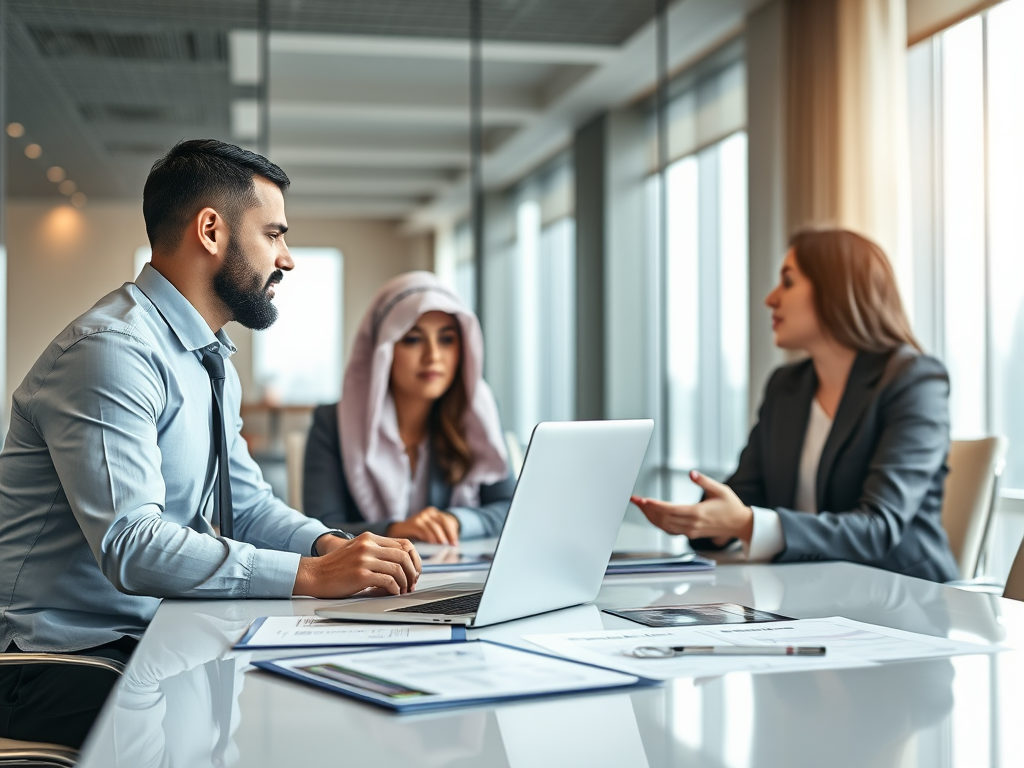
(656, 562)
(314, 632)
(452, 560)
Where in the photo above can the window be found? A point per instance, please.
(298, 360)
(707, 306)
(966, 89)
(530, 306)
(465, 269)
(142, 256)
(706, 312)
(966, 108)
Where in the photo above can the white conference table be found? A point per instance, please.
(188, 700)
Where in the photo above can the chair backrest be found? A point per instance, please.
(21, 754)
(1015, 581)
(294, 461)
(971, 487)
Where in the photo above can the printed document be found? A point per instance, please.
(312, 632)
(849, 644)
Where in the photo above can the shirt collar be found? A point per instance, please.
(188, 325)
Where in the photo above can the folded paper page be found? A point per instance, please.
(313, 632)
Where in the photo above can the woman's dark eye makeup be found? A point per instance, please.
(446, 339)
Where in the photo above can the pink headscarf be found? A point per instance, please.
(372, 453)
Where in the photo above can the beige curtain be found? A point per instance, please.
(812, 114)
(847, 150)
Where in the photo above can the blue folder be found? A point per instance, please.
(419, 701)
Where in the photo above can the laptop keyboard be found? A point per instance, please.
(453, 606)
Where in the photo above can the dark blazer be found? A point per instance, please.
(325, 493)
(882, 469)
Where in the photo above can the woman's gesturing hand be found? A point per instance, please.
(720, 516)
(430, 525)
(390, 565)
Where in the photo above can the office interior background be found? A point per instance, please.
(610, 183)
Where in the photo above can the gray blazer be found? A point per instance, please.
(325, 493)
(882, 470)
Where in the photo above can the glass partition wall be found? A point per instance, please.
(391, 134)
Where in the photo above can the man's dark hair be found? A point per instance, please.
(200, 173)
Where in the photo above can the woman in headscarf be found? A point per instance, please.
(415, 448)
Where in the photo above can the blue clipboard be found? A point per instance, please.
(411, 705)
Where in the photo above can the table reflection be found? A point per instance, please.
(178, 702)
(858, 593)
(186, 700)
(598, 731)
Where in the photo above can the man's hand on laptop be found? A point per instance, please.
(390, 566)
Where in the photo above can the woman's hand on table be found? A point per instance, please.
(430, 525)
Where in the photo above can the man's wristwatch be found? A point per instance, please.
(333, 532)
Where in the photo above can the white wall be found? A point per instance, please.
(61, 260)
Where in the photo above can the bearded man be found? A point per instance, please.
(124, 479)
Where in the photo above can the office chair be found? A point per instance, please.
(33, 754)
(294, 462)
(1015, 581)
(971, 489)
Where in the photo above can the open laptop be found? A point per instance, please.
(572, 494)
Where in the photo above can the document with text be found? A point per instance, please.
(849, 643)
(312, 632)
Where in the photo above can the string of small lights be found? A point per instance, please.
(54, 173)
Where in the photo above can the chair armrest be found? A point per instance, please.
(24, 753)
(98, 662)
(983, 586)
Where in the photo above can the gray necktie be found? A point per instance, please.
(222, 511)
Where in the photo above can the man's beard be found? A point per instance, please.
(242, 289)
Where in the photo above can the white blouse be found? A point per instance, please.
(419, 481)
(768, 538)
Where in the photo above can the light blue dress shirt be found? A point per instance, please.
(106, 480)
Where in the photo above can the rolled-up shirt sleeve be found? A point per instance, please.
(99, 414)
